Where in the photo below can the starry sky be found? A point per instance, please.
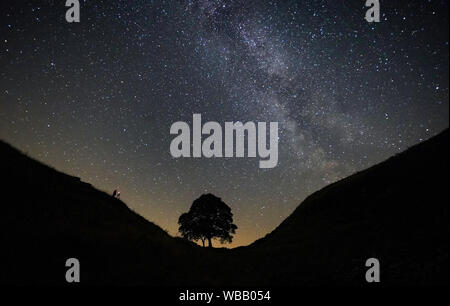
(96, 99)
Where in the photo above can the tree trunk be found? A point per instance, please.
(210, 242)
(203, 241)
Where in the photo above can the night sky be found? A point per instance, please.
(96, 99)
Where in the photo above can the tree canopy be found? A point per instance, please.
(209, 217)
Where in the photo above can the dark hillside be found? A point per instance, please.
(396, 211)
(48, 216)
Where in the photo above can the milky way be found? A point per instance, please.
(97, 99)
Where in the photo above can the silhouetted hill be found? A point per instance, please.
(396, 211)
(48, 216)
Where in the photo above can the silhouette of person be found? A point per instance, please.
(114, 193)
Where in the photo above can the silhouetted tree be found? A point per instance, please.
(209, 217)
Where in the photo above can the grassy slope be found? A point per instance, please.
(396, 211)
